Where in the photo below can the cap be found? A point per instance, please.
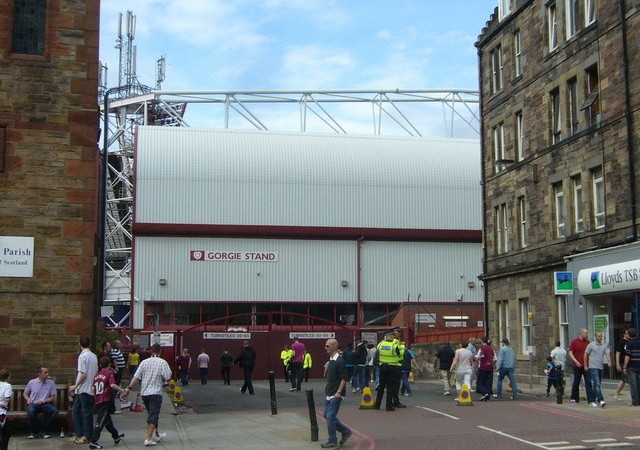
(390, 331)
(505, 341)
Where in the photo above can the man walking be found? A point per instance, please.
(442, 362)
(40, 395)
(359, 361)
(486, 360)
(103, 384)
(596, 356)
(506, 368)
(203, 365)
(337, 377)
(119, 362)
(577, 348)
(247, 360)
(152, 374)
(620, 356)
(82, 411)
(631, 366)
(297, 361)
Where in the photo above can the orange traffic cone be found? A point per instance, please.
(137, 407)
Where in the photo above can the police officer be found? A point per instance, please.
(396, 396)
(389, 355)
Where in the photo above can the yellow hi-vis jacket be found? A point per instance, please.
(307, 363)
(285, 356)
(390, 352)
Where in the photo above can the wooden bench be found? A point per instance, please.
(18, 406)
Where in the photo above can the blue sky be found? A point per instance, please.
(301, 44)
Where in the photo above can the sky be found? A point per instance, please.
(230, 45)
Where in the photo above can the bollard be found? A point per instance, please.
(312, 415)
(560, 387)
(272, 390)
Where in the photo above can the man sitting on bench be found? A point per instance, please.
(40, 395)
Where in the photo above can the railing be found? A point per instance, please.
(453, 335)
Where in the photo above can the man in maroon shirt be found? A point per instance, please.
(577, 348)
(296, 364)
(103, 382)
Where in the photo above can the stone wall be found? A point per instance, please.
(48, 188)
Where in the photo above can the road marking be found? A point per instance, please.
(631, 438)
(501, 433)
(554, 443)
(616, 444)
(438, 412)
(568, 447)
(593, 441)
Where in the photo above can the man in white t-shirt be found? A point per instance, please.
(82, 411)
(6, 393)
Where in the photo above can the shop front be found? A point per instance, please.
(606, 294)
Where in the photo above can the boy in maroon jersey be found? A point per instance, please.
(103, 382)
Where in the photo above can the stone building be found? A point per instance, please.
(559, 99)
(49, 127)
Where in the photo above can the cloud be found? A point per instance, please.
(314, 67)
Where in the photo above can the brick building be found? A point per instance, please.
(49, 126)
(559, 83)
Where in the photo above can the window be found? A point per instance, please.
(496, 69)
(563, 308)
(503, 319)
(504, 8)
(577, 204)
(589, 12)
(519, 137)
(28, 27)
(571, 16)
(522, 214)
(556, 120)
(592, 101)
(498, 146)
(517, 48)
(501, 222)
(526, 325)
(558, 194)
(552, 23)
(572, 113)
(598, 197)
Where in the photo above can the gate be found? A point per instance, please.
(268, 333)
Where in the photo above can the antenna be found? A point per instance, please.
(160, 71)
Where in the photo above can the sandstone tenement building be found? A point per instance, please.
(559, 104)
(49, 128)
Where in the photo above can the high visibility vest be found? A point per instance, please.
(388, 353)
(307, 361)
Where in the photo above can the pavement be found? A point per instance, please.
(232, 424)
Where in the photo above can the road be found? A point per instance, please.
(432, 420)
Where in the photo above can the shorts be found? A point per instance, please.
(153, 403)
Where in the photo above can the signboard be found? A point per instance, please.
(16, 256)
(455, 324)
(242, 336)
(166, 339)
(601, 323)
(563, 283)
(425, 318)
(370, 337)
(612, 278)
(313, 335)
(232, 256)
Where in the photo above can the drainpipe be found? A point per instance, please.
(629, 118)
(359, 312)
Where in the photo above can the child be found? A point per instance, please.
(6, 392)
(103, 382)
(552, 375)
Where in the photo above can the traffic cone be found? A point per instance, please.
(464, 399)
(177, 395)
(366, 401)
(411, 378)
(172, 385)
(137, 406)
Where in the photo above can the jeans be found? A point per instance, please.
(358, 377)
(296, 375)
(595, 375)
(5, 432)
(578, 373)
(82, 415)
(484, 385)
(633, 378)
(204, 372)
(184, 377)
(406, 388)
(331, 408)
(248, 383)
(50, 411)
(512, 379)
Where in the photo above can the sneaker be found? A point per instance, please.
(149, 443)
(345, 437)
(117, 441)
(31, 436)
(95, 445)
(547, 395)
(81, 440)
(329, 444)
(447, 392)
(602, 403)
(573, 400)
(159, 437)
(46, 436)
(617, 398)
(117, 411)
(292, 389)
(594, 404)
